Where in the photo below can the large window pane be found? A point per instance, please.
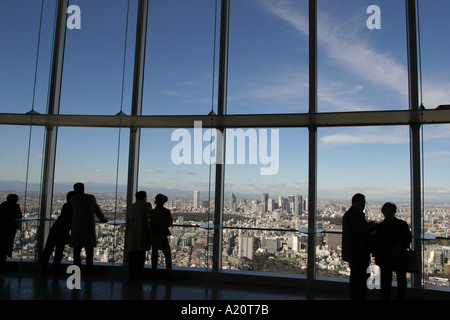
(359, 67)
(19, 42)
(94, 59)
(20, 170)
(91, 156)
(373, 161)
(268, 57)
(434, 26)
(436, 207)
(256, 199)
(179, 57)
(169, 164)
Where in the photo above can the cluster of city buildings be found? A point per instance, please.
(259, 234)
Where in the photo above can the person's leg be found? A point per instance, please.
(155, 249)
(386, 282)
(59, 253)
(132, 264)
(48, 249)
(358, 281)
(77, 256)
(89, 258)
(140, 262)
(167, 254)
(401, 284)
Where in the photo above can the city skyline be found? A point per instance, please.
(359, 69)
(253, 240)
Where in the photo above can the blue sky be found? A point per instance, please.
(358, 69)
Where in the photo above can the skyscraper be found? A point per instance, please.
(245, 247)
(232, 202)
(196, 199)
(298, 207)
(264, 198)
(270, 205)
(291, 203)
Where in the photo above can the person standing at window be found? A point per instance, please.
(356, 246)
(160, 221)
(84, 208)
(138, 233)
(392, 240)
(10, 214)
(58, 236)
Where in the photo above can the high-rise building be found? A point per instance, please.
(281, 203)
(196, 199)
(298, 205)
(270, 205)
(245, 246)
(264, 198)
(232, 202)
(291, 203)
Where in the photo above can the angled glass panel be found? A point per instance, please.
(268, 57)
(434, 63)
(362, 55)
(179, 63)
(92, 156)
(20, 170)
(95, 57)
(25, 54)
(435, 230)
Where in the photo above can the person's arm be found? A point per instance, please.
(169, 219)
(98, 212)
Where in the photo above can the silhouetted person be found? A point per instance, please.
(392, 240)
(59, 235)
(10, 214)
(160, 221)
(138, 233)
(356, 246)
(84, 208)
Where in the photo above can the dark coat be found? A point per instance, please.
(355, 237)
(61, 227)
(84, 207)
(138, 232)
(10, 213)
(160, 221)
(392, 240)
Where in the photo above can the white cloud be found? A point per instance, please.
(344, 46)
(394, 136)
(347, 50)
(171, 93)
(188, 172)
(153, 171)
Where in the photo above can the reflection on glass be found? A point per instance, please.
(268, 57)
(360, 67)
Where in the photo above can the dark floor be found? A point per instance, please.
(113, 284)
(50, 286)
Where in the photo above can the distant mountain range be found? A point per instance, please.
(19, 186)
